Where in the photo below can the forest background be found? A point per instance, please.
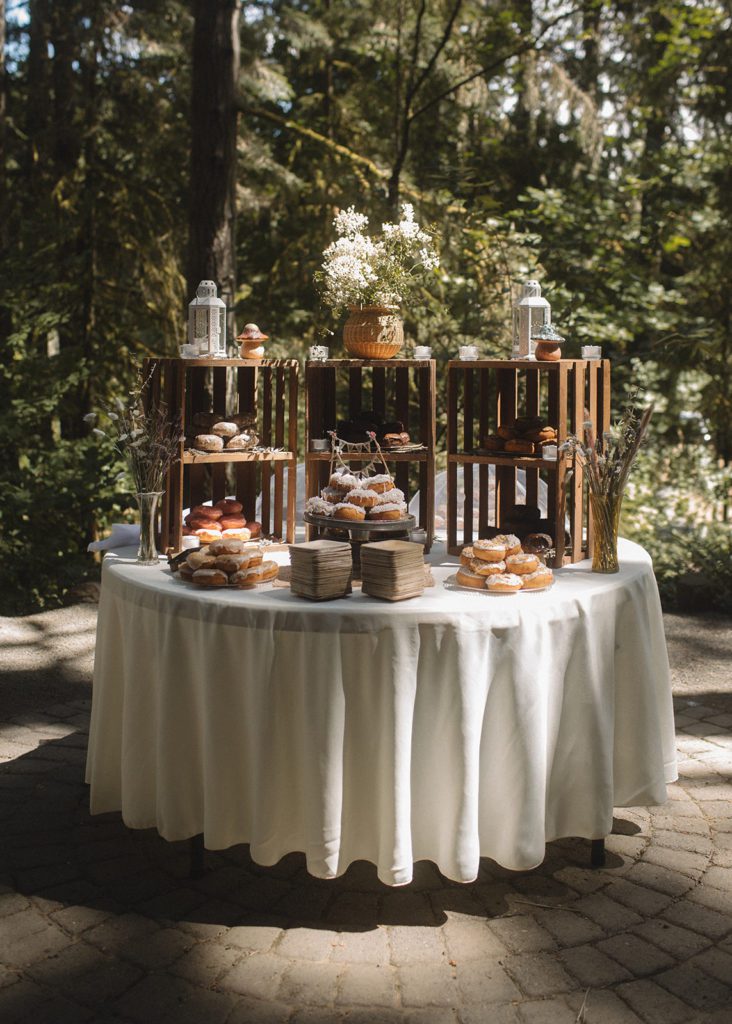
(146, 145)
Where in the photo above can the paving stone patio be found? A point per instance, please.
(101, 924)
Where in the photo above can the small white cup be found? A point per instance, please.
(190, 542)
(422, 352)
(468, 353)
(318, 352)
(591, 352)
(188, 351)
(549, 452)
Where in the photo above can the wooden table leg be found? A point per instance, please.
(597, 853)
(195, 844)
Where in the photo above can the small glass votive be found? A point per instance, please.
(591, 352)
(549, 452)
(418, 536)
(319, 444)
(190, 542)
(422, 352)
(188, 351)
(468, 353)
(318, 351)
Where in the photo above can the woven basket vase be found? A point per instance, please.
(373, 332)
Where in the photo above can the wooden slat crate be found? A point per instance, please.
(485, 394)
(395, 389)
(266, 388)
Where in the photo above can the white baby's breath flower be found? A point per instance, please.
(349, 222)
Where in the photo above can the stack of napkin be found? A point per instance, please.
(321, 569)
(392, 569)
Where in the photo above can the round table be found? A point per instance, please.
(453, 726)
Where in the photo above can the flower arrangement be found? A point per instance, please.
(607, 461)
(144, 435)
(360, 270)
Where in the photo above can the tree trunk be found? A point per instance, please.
(3, 114)
(212, 217)
(38, 101)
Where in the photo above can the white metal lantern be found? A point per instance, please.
(530, 314)
(207, 322)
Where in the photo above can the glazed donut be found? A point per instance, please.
(185, 572)
(331, 495)
(542, 577)
(380, 482)
(541, 434)
(387, 510)
(343, 482)
(200, 559)
(362, 496)
(394, 494)
(508, 433)
(208, 536)
(229, 506)
(225, 429)
(241, 442)
(505, 583)
(520, 447)
(490, 550)
(210, 578)
(481, 568)
(318, 507)
(254, 553)
(522, 564)
(225, 546)
(206, 512)
(467, 556)
(255, 528)
(510, 542)
(208, 442)
(467, 578)
(231, 563)
(240, 534)
(239, 579)
(345, 510)
(264, 572)
(202, 523)
(233, 523)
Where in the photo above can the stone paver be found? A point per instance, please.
(101, 923)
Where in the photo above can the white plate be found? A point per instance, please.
(451, 583)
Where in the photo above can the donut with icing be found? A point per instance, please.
(522, 564)
(467, 578)
(510, 542)
(208, 443)
(240, 579)
(225, 546)
(210, 578)
(207, 536)
(466, 555)
(387, 511)
(380, 482)
(200, 559)
(542, 577)
(234, 534)
(504, 583)
(225, 429)
(362, 496)
(231, 563)
(346, 510)
(492, 550)
(393, 494)
(263, 573)
(482, 568)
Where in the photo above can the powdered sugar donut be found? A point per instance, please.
(362, 496)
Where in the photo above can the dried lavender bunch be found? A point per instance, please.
(607, 460)
(144, 434)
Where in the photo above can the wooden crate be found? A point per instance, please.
(268, 388)
(484, 394)
(396, 389)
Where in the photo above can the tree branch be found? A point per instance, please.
(310, 133)
(427, 69)
(530, 44)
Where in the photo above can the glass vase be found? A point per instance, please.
(605, 511)
(147, 553)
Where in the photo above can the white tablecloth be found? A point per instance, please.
(449, 727)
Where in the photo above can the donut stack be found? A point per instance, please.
(501, 566)
(227, 562)
(223, 433)
(525, 435)
(349, 497)
(222, 521)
